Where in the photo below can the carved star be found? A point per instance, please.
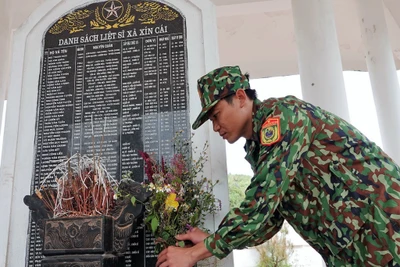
(113, 10)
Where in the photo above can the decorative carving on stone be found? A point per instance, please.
(112, 15)
(154, 11)
(125, 214)
(92, 234)
(72, 22)
(78, 234)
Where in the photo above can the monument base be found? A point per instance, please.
(104, 260)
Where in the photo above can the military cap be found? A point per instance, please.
(216, 85)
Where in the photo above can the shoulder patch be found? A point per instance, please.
(270, 131)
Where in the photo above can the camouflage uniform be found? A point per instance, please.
(337, 189)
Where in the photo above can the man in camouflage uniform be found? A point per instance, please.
(337, 189)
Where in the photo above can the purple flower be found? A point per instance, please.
(189, 227)
(178, 161)
(148, 165)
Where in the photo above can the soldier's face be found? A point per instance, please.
(227, 120)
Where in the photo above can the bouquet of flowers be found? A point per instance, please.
(181, 196)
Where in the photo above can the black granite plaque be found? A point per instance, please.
(113, 81)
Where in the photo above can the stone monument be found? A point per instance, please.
(111, 77)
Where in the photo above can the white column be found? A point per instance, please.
(382, 73)
(320, 65)
(6, 182)
(5, 36)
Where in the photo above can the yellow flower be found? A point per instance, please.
(170, 202)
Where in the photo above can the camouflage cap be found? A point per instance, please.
(216, 85)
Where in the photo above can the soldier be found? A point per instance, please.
(336, 188)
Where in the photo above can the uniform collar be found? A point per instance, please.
(259, 114)
(258, 118)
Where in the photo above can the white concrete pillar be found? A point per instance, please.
(382, 73)
(320, 65)
(6, 182)
(5, 36)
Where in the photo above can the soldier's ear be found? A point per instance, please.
(241, 95)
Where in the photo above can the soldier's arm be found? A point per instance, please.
(266, 231)
(276, 168)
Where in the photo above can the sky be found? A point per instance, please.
(361, 108)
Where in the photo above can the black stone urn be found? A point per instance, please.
(89, 241)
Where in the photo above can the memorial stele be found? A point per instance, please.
(116, 76)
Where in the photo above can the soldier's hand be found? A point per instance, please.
(183, 257)
(194, 235)
(176, 257)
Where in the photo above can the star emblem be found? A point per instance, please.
(113, 9)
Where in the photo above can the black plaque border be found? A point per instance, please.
(40, 92)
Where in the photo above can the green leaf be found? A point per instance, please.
(133, 200)
(154, 224)
(165, 235)
(148, 218)
(194, 218)
(181, 243)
